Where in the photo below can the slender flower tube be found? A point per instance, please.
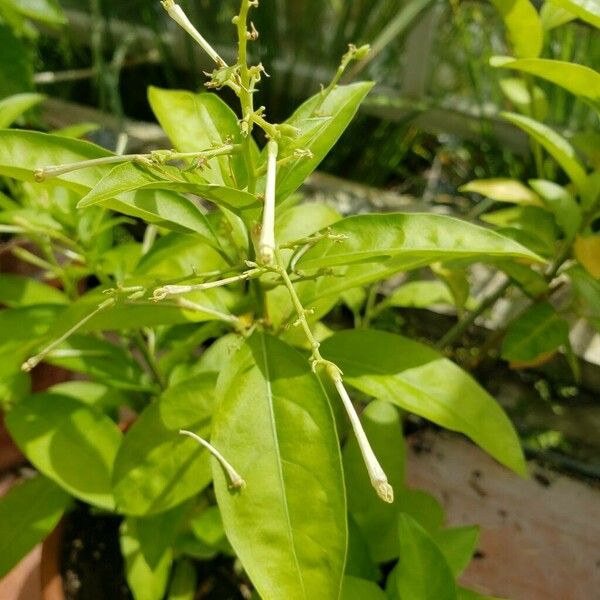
(266, 245)
(376, 474)
(234, 477)
(176, 13)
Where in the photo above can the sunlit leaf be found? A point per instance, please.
(523, 24)
(69, 442)
(418, 379)
(275, 426)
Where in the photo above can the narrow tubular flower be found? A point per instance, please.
(176, 13)
(235, 480)
(376, 474)
(266, 246)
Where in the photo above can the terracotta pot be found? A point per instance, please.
(50, 573)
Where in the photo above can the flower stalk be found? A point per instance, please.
(235, 479)
(266, 245)
(377, 475)
(176, 13)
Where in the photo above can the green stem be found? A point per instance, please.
(455, 332)
(150, 359)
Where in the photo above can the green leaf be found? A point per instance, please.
(466, 594)
(197, 122)
(358, 559)
(275, 426)
(22, 152)
(422, 571)
(577, 79)
(376, 520)
(101, 360)
(321, 123)
(538, 331)
(185, 403)
(46, 11)
(420, 294)
(126, 189)
(458, 545)
(156, 468)
(554, 16)
(586, 10)
(562, 204)
(354, 588)
(146, 548)
(423, 508)
(69, 442)
(92, 393)
(18, 290)
(183, 583)
(529, 100)
(28, 513)
(130, 177)
(16, 68)
(406, 241)
(557, 147)
(503, 190)
(534, 284)
(12, 107)
(418, 379)
(524, 26)
(587, 291)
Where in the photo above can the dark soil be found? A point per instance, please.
(93, 569)
(91, 561)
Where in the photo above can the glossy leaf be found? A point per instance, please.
(405, 241)
(69, 442)
(577, 79)
(130, 177)
(538, 331)
(503, 190)
(457, 545)
(422, 571)
(524, 26)
(12, 107)
(22, 152)
(556, 145)
(562, 204)
(156, 468)
(92, 393)
(354, 588)
(586, 10)
(197, 122)
(28, 513)
(424, 508)
(376, 520)
(321, 123)
(17, 290)
(418, 379)
(274, 424)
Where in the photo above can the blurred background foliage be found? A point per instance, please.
(434, 108)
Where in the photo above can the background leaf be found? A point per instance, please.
(538, 331)
(28, 513)
(69, 442)
(524, 26)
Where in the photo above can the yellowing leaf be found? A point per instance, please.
(503, 190)
(587, 252)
